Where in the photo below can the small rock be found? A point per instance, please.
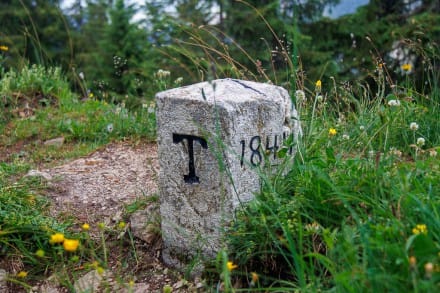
(50, 285)
(199, 285)
(145, 224)
(117, 217)
(36, 173)
(47, 288)
(180, 284)
(59, 141)
(89, 282)
(3, 278)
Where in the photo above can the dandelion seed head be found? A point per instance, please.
(300, 95)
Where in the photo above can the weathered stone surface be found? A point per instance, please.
(212, 137)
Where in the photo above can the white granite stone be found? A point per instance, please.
(212, 139)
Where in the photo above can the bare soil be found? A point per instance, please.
(95, 188)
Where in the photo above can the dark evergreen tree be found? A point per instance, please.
(122, 50)
(268, 30)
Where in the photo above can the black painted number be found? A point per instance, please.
(255, 147)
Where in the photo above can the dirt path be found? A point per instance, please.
(95, 188)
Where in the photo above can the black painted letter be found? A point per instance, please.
(177, 138)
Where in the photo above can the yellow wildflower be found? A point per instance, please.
(100, 270)
(85, 227)
(318, 85)
(56, 238)
(412, 262)
(332, 132)
(406, 67)
(231, 266)
(121, 225)
(429, 268)
(420, 229)
(31, 199)
(94, 264)
(4, 48)
(22, 274)
(40, 253)
(167, 289)
(254, 277)
(70, 245)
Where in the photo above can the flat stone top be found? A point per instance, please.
(230, 91)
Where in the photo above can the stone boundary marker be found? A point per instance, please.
(212, 139)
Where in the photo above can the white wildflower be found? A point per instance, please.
(345, 137)
(162, 73)
(420, 141)
(110, 127)
(395, 152)
(413, 126)
(393, 103)
(178, 81)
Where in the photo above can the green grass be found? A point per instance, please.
(345, 217)
(85, 123)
